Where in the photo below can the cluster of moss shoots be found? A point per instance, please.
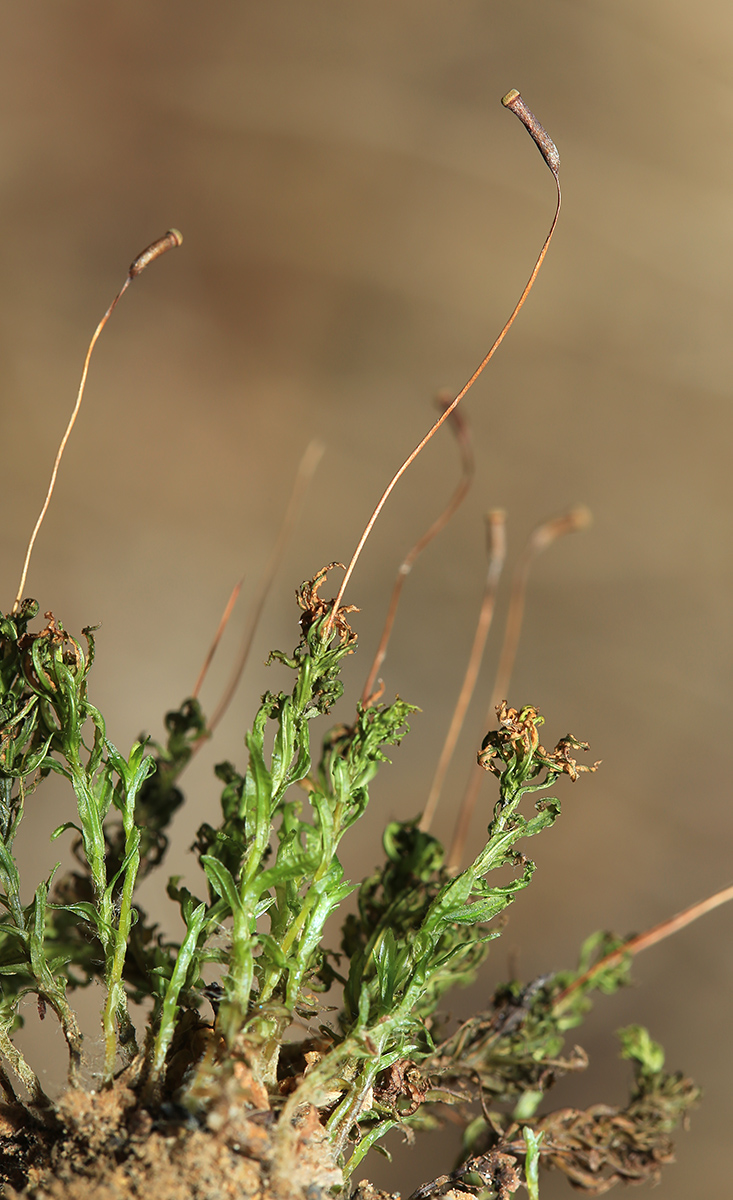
(252, 966)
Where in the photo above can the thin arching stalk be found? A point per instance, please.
(305, 473)
(547, 148)
(544, 535)
(229, 609)
(643, 941)
(463, 439)
(168, 241)
(496, 546)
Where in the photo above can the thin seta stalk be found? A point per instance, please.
(463, 438)
(544, 535)
(303, 479)
(548, 150)
(496, 548)
(154, 250)
(224, 621)
(642, 941)
(92, 808)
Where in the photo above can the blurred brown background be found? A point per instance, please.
(359, 216)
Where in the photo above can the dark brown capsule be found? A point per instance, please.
(537, 132)
(170, 239)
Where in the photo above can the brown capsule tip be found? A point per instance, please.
(496, 516)
(581, 517)
(167, 242)
(496, 538)
(510, 97)
(572, 521)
